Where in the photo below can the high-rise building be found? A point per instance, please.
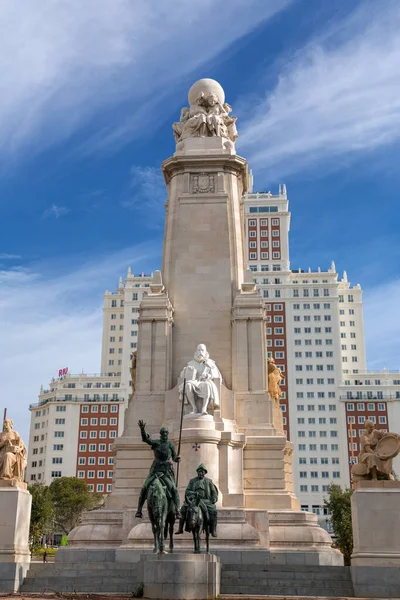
(73, 427)
(120, 325)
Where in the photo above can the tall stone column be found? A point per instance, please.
(203, 248)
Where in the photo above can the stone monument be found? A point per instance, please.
(375, 562)
(205, 298)
(15, 510)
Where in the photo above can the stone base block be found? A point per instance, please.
(12, 575)
(181, 576)
(296, 538)
(98, 528)
(375, 510)
(82, 556)
(15, 557)
(376, 582)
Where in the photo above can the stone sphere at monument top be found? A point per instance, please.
(207, 86)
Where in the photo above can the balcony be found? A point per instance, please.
(79, 399)
(364, 397)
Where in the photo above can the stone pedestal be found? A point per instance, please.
(375, 562)
(181, 576)
(15, 512)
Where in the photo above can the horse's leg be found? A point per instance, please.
(155, 549)
(208, 538)
(162, 525)
(151, 517)
(171, 534)
(194, 540)
(198, 540)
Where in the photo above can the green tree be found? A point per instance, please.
(41, 514)
(70, 497)
(338, 504)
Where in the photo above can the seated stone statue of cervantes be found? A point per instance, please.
(201, 393)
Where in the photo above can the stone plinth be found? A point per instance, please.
(375, 507)
(181, 576)
(296, 538)
(15, 512)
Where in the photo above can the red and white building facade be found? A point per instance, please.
(73, 427)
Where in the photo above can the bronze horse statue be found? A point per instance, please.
(161, 514)
(196, 524)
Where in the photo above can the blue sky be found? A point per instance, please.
(88, 94)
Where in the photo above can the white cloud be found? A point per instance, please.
(55, 211)
(382, 325)
(147, 195)
(6, 256)
(52, 319)
(64, 62)
(338, 96)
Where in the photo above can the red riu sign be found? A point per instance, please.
(62, 372)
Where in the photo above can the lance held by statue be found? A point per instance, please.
(164, 451)
(200, 492)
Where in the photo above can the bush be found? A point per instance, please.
(339, 508)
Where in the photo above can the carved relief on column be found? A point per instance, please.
(203, 183)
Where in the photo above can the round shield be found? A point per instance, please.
(388, 446)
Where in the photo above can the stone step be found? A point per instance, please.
(293, 583)
(285, 568)
(61, 567)
(126, 584)
(287, 591)
(64, 587)
(84, 570)
(339, 585)
(290, 575)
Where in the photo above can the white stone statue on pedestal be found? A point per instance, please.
(201, 391)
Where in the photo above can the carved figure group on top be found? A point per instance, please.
(12, 453)
(207, 117)
(200, 392)
(376, 455)
(274, 379)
